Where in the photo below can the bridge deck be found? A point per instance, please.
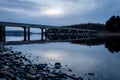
(14, 24)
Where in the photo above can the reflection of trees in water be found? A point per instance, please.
(89, 42)
(82, 40)
(113, 44)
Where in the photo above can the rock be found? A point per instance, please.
(6, 67)
(56, 71)
(3, 79)
(92, 74)
(70, 70)
(1, 48)
(57, 65)
(80, 78)
(17, 78)
(11, 75)
(66, 65)
(41, 66)
(12, 51)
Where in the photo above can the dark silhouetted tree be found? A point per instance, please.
(113, 24)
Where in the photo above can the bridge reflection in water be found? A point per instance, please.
(111, 43)
(52, 38)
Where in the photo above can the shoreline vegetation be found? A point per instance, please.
(15, 66)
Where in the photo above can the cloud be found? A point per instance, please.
(58, 11)
(68, 7)
(63, 7)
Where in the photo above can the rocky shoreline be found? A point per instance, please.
(15, 66)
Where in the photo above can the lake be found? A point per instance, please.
(100, 55)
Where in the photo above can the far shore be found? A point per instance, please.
(108, 34)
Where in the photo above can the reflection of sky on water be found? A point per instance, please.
(80, 58)
(20, 38)
(11, 38)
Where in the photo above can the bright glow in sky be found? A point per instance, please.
(53, 12)
(60, 8)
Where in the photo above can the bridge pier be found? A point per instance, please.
(25, 35)
(45, 33)
(28, 33)
(42, 33)
(2, 34)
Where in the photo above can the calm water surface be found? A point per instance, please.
(80, 58)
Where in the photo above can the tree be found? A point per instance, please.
(113, 24)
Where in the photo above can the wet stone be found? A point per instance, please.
(92, 74)
(57, 65)
(3, 79)
(6, 67)
(70, 70)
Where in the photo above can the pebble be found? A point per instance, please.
(58, 65)
(92, 74)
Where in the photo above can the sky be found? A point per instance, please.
(58, 12)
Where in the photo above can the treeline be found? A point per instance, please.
(90, 26)
(16, 33)
(113, 24)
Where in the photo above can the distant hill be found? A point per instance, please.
(15, 33)
(90, 26)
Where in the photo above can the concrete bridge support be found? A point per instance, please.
(25, 35)
(2, 34)
(45, 33)
(28, 34)
(42, 33)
